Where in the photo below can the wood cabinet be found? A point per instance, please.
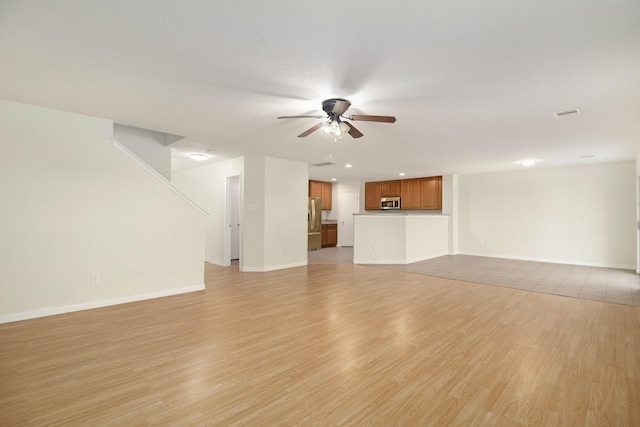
(415, 194)
(322, 189)
(372, 195)
(329, 235)
(315, 188)
(390, 188)
(410, 194)
(327, 196)
(431, 193)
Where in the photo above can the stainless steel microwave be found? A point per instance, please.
(390, 203)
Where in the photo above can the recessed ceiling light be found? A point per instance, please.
(198, 156)
(528, 162)
(566, 113)
(348, 165)
(333, 179)
(401, 174)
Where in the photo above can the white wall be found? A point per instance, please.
(579, 215)
(427, 237)
(253, 227)
(73, 205)
(450, 207)
(285, 220)
(380, 239)
(273, 229)
(207, 185)
(399, 239)
(148, 145)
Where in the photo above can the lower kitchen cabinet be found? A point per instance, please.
(329, 235)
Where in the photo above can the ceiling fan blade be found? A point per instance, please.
(300, 117)
(313, 129)
(353, 131)
(385, 119)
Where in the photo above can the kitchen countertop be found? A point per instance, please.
(329, 221)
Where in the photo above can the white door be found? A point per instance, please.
(234, 216)
(349, 205)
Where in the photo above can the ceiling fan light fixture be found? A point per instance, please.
(329, 128)
(344, 128)
(198, 156)
(528, 162)
(335, 128)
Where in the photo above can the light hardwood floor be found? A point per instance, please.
(328, 345)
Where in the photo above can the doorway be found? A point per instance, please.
(349, 205)
(233, 220)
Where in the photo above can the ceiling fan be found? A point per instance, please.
(336, 126)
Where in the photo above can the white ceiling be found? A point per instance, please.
(473, 84)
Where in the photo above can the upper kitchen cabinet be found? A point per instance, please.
(390, 189)
(410, 194)
(431, 193)
(415, 194)
(315, 188)
(322, 189)
(327, 195)
(372, 195)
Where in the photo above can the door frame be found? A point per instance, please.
(342, 214)
(227, 220)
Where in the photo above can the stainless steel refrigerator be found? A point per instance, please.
(314, 227)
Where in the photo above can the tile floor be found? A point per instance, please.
(593, 283)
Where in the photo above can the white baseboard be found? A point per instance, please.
(215, 261)
(553, 261)
(272, 268)
(51, 311)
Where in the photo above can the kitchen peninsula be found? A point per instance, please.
(399, 238)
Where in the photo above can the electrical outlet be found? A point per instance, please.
(95, 277)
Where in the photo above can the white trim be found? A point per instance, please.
(51, 311)
(553, 261)
(275, 267)
(156, 175)
(215, 261)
